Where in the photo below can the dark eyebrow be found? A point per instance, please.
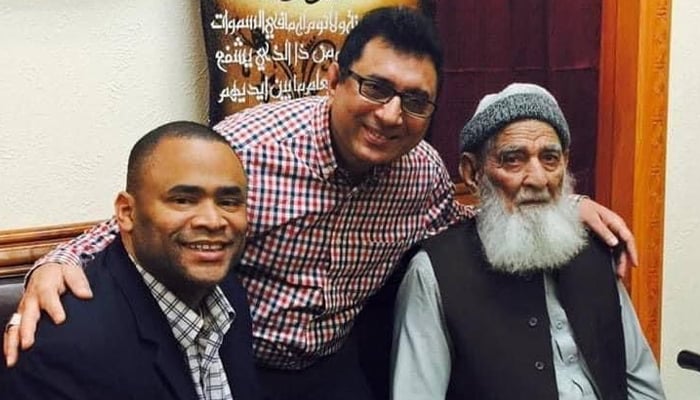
(386, 82)
(196, 190)
(380, 79)
(236, 191)
(186, 189)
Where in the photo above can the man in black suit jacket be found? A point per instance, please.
(168, 320)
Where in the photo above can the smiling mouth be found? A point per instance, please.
(207, 246)
(375, 136)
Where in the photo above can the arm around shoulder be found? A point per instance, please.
(51, 276)
(80, 249)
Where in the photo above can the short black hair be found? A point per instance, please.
(407, 30)
(145, 146)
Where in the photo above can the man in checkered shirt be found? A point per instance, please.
(341, 186)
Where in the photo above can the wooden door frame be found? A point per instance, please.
(631, 148)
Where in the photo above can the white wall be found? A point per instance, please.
(681, 280)
(80, 81)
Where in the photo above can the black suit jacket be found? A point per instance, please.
(119, 345)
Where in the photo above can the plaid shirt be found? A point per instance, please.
(199, 336)
(318, 246)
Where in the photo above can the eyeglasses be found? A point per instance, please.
(413, 104)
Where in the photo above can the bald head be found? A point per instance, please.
(145, 146)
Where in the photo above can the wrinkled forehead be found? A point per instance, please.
(528, 133)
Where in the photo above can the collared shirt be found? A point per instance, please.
(318, 244)
(199, 335)
(574, 379)
(421, 354)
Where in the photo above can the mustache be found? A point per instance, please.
(528, 195)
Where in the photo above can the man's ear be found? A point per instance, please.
(124, 211)
(333, 77)
(468, 170)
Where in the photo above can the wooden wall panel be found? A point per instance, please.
(20, 248)
(631, 153)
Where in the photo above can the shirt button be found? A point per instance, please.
(559, 325)
(539, 365)
(532, 322)
(572, 358)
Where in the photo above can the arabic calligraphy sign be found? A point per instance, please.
(266, 50)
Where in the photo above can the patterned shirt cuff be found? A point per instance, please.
(66, 258)
(576, 199)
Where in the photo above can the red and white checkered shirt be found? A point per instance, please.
(318, 246)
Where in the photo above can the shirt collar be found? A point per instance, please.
(185, 322)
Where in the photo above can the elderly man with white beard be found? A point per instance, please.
(520, 302)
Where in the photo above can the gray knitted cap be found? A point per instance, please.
(516, 102)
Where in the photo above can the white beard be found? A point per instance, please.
(531, 238)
